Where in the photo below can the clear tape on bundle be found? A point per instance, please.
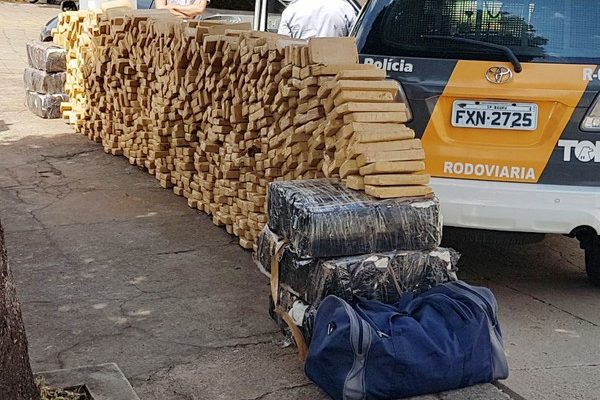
(380, 276)
(45, 105)
(322, 218)
(46, 56)
(36, 80)
(294, 306)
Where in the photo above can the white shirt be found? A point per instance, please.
(304, 19)
(181, 2)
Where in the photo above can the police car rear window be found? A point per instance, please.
(543, 31)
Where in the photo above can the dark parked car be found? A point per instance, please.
(233, 11)
(262, 14)
(46, 34)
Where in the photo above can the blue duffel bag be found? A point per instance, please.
(445, 338)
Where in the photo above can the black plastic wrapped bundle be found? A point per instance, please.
(303, 314)
(322, 218)
(381, 276)
(362, 277)
(386, 276)
(294, 271)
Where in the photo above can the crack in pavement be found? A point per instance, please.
(16, 186)
(13, 175)
(551, 367)
(212, 246)
(44, 187)
(216, 346)
(111, 222)
(51, 168)
(185, 396)
(538, 299)
(211, 345)
(281, 389)
(164, 373)
(10, 43)
(176, 252)
(59, 191)
(160, 292)
(36, 302)
(561, 256)
(61, 353)
(551, 305)
(68, 156)
(151, 376)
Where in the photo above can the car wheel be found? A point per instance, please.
(592, 260)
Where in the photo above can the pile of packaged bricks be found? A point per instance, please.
(325, 239)
(218, 111)
(44, 79)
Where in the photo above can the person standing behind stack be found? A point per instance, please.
(304, 19)
(183, 8)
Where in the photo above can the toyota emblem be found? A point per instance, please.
(498, 75)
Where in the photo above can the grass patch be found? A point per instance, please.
(50, 393)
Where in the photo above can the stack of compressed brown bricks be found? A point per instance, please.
(217, 112)
(74, 32)
(366, 141)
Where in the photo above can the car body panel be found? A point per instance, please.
(542, 180)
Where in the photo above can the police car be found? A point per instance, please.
(504, 95)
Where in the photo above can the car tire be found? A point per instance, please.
(592, 260)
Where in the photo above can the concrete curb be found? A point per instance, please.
(103, 382)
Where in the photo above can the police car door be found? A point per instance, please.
(499, 90)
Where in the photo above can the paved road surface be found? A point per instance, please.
(112, 268)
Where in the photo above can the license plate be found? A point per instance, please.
(494, 115)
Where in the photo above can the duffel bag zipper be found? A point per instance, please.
(498, 357)
(360, 340)
(489, 308)
(355, 326)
